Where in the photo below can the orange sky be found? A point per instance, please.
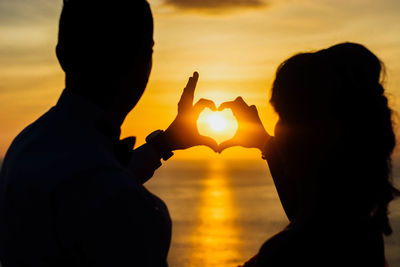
(235, 47)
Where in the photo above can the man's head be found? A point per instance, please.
(105, 49)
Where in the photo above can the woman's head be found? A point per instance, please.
(332, 108)
(328, 86)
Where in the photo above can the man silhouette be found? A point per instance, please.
(72, 193)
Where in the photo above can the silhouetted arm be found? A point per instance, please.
(181, 134)
(141, 162)
(115, 236)
(145, 160)
(106, 218)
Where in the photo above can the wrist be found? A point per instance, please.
(158, 139)
(169, 140)
(262, 140)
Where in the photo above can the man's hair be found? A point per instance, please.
(99, 36)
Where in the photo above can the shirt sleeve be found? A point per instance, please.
(107, 219)
(115, 237)
(144, 161)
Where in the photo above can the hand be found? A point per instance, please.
(183, 132)
(250, 132)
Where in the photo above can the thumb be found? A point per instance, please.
(208, 141)
(227, 144)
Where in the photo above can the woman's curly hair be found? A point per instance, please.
(341, 87)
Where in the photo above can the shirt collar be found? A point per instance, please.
(89, 113)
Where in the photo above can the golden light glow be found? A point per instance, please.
(217, 122)
(220, 125)
(216, 237)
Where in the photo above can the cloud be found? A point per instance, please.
(22, 12)
(214, 5)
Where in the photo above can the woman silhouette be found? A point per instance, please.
(330, 158)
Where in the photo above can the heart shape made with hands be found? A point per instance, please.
(219, 125)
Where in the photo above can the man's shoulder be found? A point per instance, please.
(50, 151)
(23, 142)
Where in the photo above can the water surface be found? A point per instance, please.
(223, 211)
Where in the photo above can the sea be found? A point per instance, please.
(224, 210)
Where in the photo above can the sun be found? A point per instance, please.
(217, 122)
(220, 125)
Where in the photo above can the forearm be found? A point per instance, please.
(144, 161)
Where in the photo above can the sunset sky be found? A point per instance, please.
(235, 45)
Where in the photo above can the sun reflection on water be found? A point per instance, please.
(216, 238)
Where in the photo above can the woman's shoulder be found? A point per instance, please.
(278, 247)
(322, 245)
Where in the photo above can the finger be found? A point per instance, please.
(188, 92)
(191, 86)
(253, 108)
(227, 144)
(183, 103)
(237, 104)
(239, 101)
(202, 104)
(226, 105)
(208, 141)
